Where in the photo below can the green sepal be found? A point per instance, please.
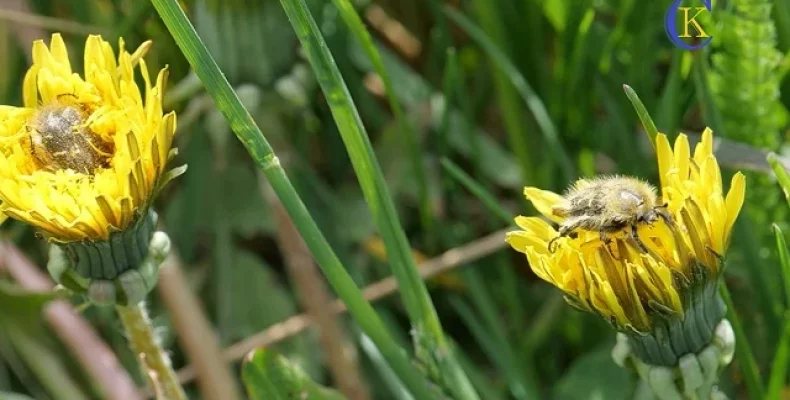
(672, 336)
(114, 271)
(167, 177)
(106, 259)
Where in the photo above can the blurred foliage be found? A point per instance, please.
(474, 103)
(271, 376)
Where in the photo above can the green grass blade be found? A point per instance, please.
(743, 350)
(534, 103)
(495, 346)
(784, 258)
(432, 345)
(478, 190)
(507, 99)
(641, 111)
(250, 135)
(711, 114)
(776, 382)
(391, 381)
(354, 22)
(781, 175)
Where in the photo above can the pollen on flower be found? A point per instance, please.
(60, 139)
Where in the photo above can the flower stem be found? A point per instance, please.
(154, 362)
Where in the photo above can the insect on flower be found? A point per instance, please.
(609, 204)
(84, 158)
(664, 300)
(60, 139)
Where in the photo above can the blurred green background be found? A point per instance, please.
(499, 94)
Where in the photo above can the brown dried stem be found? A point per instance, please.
(195, 333)
(341, 356)
(293, 325)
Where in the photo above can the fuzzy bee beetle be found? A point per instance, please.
(59, 139)
(607, 205)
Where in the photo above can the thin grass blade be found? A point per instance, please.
(352, 19)
(478, 190)
(534, 103)
(781, 174)
(644, 116)
(432, 346)
(784, 259)
(251, 136)
(743, 350)
(776, 382)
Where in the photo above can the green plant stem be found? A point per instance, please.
(261, 152)
(478, 190)
(154, 362)
(350, 16)
(431, 345)
(743, 350)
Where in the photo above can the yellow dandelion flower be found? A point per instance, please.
(84, 157)
(674, 280)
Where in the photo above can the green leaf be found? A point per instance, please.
(168, 176)
(269, 376)
(594, 376)
(644, 116)
(781, 174)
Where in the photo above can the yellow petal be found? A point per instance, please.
(544, 201)
(59, 53)
(705, 147)
(665, 161)
(522, 241)
(734, 202)
(536, 226)
(682, 156)
(41, 55)
(138, 54)
(30, 87)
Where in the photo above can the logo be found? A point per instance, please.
(690, 28)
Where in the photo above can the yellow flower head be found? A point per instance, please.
(84, 156)
(619, 281)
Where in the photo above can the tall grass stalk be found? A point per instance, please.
(409, 134)
(431, 344)
(259, 149)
